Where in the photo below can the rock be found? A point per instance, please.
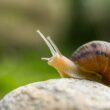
(58, 94)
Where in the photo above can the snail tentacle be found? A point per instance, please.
(47, 42)
(53, 44)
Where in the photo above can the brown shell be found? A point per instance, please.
(95, 57)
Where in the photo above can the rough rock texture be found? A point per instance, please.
(58, 94)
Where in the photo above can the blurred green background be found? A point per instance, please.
(70, 23)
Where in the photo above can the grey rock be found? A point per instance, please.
(58, 94)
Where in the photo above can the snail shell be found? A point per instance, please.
(94, 57)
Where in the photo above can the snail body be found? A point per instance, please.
(90, 61)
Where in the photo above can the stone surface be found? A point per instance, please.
(58, 94)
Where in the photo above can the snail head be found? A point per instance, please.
(62, 64)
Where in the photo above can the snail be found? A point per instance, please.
(89, 61)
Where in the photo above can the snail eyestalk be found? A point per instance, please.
(53, 48)
(53, 44)
(47, 42)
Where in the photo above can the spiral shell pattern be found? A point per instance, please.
(95, 57)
